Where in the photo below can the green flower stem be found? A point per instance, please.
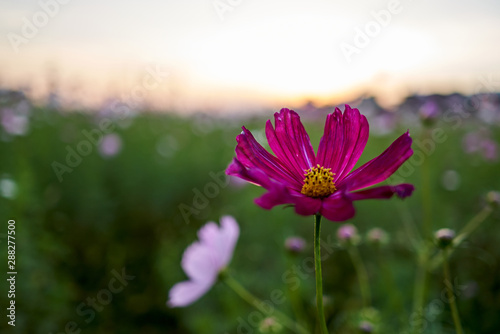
(451, 297)
(364, 285)
(426, 194)
(472, 225)
(419, 291)
(319, 278)
(423, 253)
(258, 304)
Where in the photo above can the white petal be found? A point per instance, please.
(209, 233)
(229, 233)
(187, 292)
(200, 262)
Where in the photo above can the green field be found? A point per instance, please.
(77, 230)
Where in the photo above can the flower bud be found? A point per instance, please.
(348, 233)
(445, 237)
(366, 327)
(493, 198)
(270, 325)
(295, 245)
(377, 236)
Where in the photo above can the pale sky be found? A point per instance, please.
(245, 54)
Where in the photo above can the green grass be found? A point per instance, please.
(123, 212)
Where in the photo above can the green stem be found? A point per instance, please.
(472, 225)
(259, 305)
(420, 285)
(451, 297)
(319, 278)
(362, 274)
(426, 194)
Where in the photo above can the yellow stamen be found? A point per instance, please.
(318, 182)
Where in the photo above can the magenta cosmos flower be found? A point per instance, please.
(319, 183)
(204, 259)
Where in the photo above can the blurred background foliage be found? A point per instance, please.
(124, 210)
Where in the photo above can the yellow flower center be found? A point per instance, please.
(318, 182)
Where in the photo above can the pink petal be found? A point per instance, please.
(200, 262)
(277, 192)
(306, 206)
(401, 190)
(221, 241)
(343, 141)
(185, 293)
(210, 237)
(290, 141)
(381, 167)
(229, 233)
(209, 233)
(252, 174)
(337, 207)
(251, 154)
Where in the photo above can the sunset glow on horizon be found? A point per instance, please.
(242, 55)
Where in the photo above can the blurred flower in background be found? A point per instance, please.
(451, 180)
(295, 245)
(8, 187)
(348, 233)
(481, 143)
(383, 123)
(429, 112)
(489, 108)
(366, 327)
(377, 236)
(14, 123)
(15, 112)
(444, 237)
(110, 145)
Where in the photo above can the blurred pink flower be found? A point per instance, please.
(295, 244)
(480, 142)
(429, 112)
(320, 183)
(347, 232)
(14, 123)
(203, 261)
(383, 124)
(471, 142)
(489, 149)
(110, 145)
